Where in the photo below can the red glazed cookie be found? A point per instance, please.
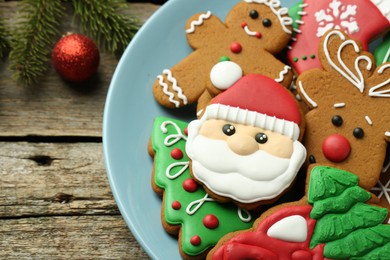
(334, 221)
(245, 148)
(246, 43)
(362, 20)
(349, 123)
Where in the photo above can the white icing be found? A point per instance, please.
(224, 74)
(384, 190)
(383, 6)
(357, 81)
(280, 12)
(327, 18)
(183, 167)
(175, 87)
(368, 119)
(387, 133)
(248, 217)
(283, 73)
(301, 13)
(387, 56)
(373, 92)
(305, 95)
(195, 205)
(297, 30)
(172, 138)
(198, 22)
(339, 105)
(291, 229)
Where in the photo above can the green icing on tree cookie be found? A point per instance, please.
(358, 243)
(340, 204)
(293, 12)
(203, 221)
(328, 182)
(382, 52)
(348, 227)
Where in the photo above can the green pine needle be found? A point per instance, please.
(101, 20)
(5, 45)
(33, 39)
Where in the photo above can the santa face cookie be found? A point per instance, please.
(349, 123)
(245, 147)
(362, 20)
(254, 31)
(334, 221)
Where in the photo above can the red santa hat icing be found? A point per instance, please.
(258, 101)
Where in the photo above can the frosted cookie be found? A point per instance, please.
(334, 221)
(382, 52)
(348, 126)
(247, 42)
(245, 148)
(187, 210)
(362, 20)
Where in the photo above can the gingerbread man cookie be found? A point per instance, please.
(349, 123)
(254, 31)
(245, 148)
(362, 20)
(334, 221)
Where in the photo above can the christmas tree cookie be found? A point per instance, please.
(187, 210)
(334, 221)
(363, 20)
(382, 52)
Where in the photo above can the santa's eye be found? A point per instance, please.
(267, 22)
(358, 132)
(228, 129)
(253, 14)
(337, 120)
(261, 138)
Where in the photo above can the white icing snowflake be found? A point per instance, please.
(337, 16)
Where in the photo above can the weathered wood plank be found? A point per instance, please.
(54, 107)
(83, 237)
(43, 179)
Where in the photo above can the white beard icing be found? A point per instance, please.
(246, 179)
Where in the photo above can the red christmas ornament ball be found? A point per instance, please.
(75, 57)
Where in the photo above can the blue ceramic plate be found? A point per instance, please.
(129, 113)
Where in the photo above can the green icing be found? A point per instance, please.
(359, 243)
(293, 13)
(335, 226)
(378, 253)
(328, 182)
(382, 50)
(341, 203)
(191, 224)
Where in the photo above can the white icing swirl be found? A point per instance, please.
(198, 22)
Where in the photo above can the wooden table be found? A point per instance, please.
(55, 199)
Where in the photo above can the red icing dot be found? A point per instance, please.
(186, 131)
(195, 240)
(190, 185)
(236, 47)
(336, 148)
(176, 154)
(258, 35)
(210, 221)
(243, 24)
(176, 205)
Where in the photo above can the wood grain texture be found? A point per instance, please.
(54, 107)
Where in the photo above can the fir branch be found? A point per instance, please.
(34, 39)
(101, 20)
(5, 45)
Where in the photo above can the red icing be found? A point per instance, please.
(336, 148)
(259, 93)
(176, 154)
(176, 205)
(195, 240)
(190, 185)
(307, 42)
(258, 245)
(210, 221)
(236, 47)
(186, 131)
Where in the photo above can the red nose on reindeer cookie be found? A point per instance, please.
(245, 147)
(362, 20)
(246, 43)
(349, 123)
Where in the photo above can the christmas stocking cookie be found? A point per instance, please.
(362, 20)
(348, 126)
(254, 31)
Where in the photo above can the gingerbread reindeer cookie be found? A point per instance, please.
(349, 123)
(254, 31)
